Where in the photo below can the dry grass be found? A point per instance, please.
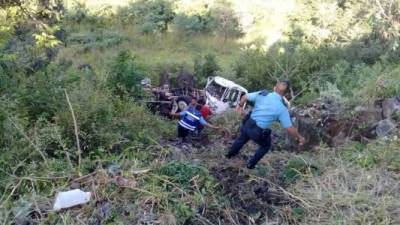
(167, 49)
(348, 194)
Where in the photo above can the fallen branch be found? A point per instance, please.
(79, 179)
(11, 194)
(78, 146)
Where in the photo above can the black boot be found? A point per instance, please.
(229, 155)
(250, 166)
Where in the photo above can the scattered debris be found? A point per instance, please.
(139, 171)
(71, 198)
(319, 121)
(325, 121)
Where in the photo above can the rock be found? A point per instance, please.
(339, 139)
(21, 211)
(326, 121)
(310, 131)
(114, 170)
(196, 162)
(85, 66)
(120, 181)
(336, 131)
(320, 121)
(124, 182)
(384, 127)
(368, 114)
(23, 220)
(103, 212)
(390, 106)
(75, 185)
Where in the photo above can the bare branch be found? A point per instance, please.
(78, 146)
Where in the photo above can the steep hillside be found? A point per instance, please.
(73, 112)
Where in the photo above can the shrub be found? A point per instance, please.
(107, 122)
(220, 19)
(125, 75)
(331, 92)
(204, 68)
(42, 94)
(150, 15)
(81, 14)
(297, 167)
(96, 40)
(382, 81)
(251, 69)
(192, 179)
(191, 24)
(182, 173)
(377, 153)
(78, 13)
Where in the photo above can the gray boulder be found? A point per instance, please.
(390, 106)
(368, 114)
(384, 127)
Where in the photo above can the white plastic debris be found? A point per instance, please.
(71, 198)
(138, 171)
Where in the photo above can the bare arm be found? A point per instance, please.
(295, 134)
(211, 126)
(175, 115)
(243, 101)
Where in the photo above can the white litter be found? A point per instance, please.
(71, 198)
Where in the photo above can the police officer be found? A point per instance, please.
(268, 107)
(191, 119)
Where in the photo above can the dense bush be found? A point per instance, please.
(150, 15)
(192, 179)
(312, 70)
(205, 67)
(191, 24)
(106, 122)
(125, 75)
(96, 40)
(220, 19)
(80, 14)
(320, 51)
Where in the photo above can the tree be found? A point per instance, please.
(227, 22)
(150, 15)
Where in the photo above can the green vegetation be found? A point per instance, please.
(71, 105)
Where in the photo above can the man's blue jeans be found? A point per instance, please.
(250, 131)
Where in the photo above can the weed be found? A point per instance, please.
(297, 167)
